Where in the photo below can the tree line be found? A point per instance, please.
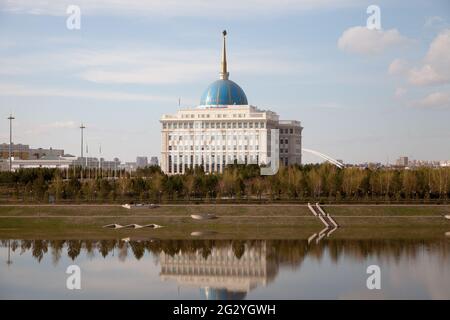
(280, 252)
(320, 182)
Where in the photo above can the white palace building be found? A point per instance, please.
(225, 129)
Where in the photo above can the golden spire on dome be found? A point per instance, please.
(224, 73)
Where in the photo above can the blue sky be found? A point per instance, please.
(362, 95)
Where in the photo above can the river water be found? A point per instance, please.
(226, 269)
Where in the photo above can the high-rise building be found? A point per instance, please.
(154, 161)
(402, 161)
(225, 129)
(141, 162)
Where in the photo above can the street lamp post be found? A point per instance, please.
(9, 261)
(82, 127)
(10, 118)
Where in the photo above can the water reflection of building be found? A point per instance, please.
(222, 275)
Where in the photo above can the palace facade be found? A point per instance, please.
(225, 129)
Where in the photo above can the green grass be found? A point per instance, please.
(385, 210)
(234, 222)
(256, 210)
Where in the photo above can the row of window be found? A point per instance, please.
(208, 115)
(214, 125)
(212, 137)
(216, 165)
(290, 131)
(213, 148)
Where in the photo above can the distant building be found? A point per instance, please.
(129, 166)
(444, 163)
(40, 152)
(18, 151)
(141, 162)
(24, 152)
(4, 165)
(402, 162)
(154, 161)
(52, 162)
(95, 163)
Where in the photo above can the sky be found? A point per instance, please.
(361, 95)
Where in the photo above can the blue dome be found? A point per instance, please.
(223, 92)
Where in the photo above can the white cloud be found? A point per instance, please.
(33, 129)
(29, 91)
(362, 40)
(436, 22)
(63, 125)
(426, 75)
(436, 67)
(434, 100)
(196, 8)
(398, 66)
(147, 65)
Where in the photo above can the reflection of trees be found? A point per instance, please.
(138, 249)
(39, 249)
(238, 248)
(282, 252)
(123, 250)
(73, 248)
(56, 246)
(89, 245)
(105, 246)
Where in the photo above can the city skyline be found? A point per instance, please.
(386, 92)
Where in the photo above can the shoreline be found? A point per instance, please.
(232, 205)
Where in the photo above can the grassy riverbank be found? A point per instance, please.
(234, 221)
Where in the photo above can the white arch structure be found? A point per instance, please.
(325, 157)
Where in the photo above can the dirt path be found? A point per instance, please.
(224, 205)
(227, 217)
